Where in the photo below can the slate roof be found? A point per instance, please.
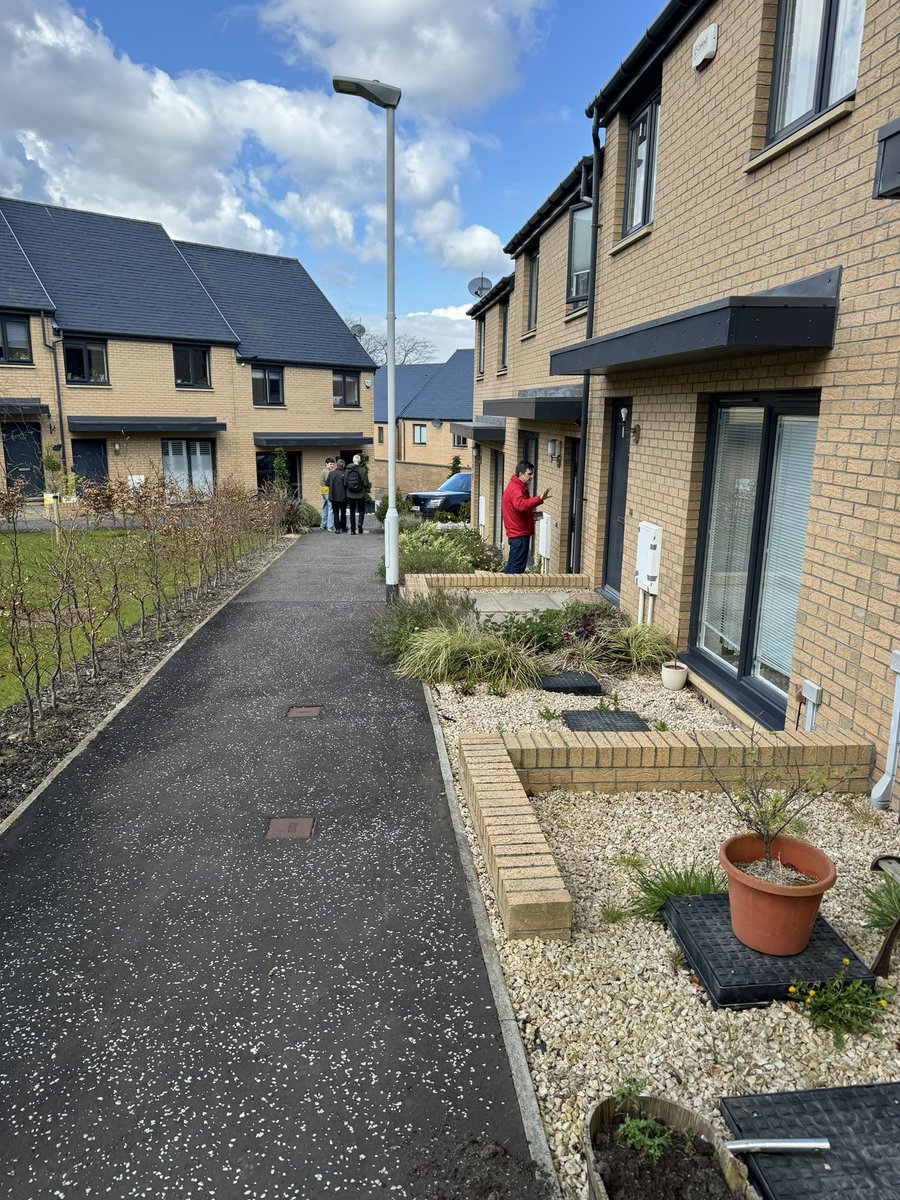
(112, 275)
(277, 311)
(19, 285)
(430, 391)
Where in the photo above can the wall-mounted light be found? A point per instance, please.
(475, 452)
(116, 448)
(553, 451)
(635, 433)
(367, 383)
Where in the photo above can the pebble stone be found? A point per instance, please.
(617, 1001)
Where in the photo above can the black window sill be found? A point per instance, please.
(354, 407)
(194, 387)
(87, 383)
(21, 363)
(256, 404)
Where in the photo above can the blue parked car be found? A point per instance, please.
(450, 496)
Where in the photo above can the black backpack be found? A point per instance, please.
(353, 479)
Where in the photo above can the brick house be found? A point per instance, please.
(740, 346)
(128, 354)
(431, 399)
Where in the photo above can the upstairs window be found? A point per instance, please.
(459, 442)
(191, 366)
(268, 388)
(504, 334)
(15, 340)
(345, 389)
(479, 339)
(640, 171)
(534, 272)
(418, 435)
(579, 256)
(85, 361)
(380, 435)
(816, 60)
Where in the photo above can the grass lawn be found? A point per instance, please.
(94, 559)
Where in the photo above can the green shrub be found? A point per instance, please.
(882, 903)
(397, 623)
(404, 505)
(638, 648)
(429, 560)
(299, 515)
(584, 622)
(539, 631)
(459, 655)
(656, 885)
(465, 512)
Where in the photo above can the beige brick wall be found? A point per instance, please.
(142, 383)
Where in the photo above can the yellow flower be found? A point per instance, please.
(883, 1003)
(811, 992)
(809, 999)
(792, 989)
(846, 962)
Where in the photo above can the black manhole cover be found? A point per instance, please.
(594, 721)
(303, 711)
(862, 1123)
(734, 976)
(291, 827)
(576, 683)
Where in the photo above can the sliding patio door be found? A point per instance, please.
(753, 539)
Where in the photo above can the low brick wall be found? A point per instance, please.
(627, 762)
(423, 585)
(532, 897)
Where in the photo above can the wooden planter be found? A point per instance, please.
(680, 1119)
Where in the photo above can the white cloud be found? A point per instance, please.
(447, 328)
(444, 56)
(473, 249)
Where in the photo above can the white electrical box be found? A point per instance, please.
(704, 48)
(481, 513)
(544, 538)
(646, 574)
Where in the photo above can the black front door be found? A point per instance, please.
(572, 445)
(22, 456)
(498, 472)
(620, 443)
(530, 454)
(89, 461)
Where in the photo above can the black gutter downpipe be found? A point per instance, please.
(588, 333)
(51, 346)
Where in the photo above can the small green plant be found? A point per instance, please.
(608, 705)
(465, 512)
(638, 648)
(496, 690)
(661, 727)
(646, 1135)
(634, 862)
(298, 515)
(450, 655)
(882, 903)
(403, 503)
(689, 1136)
(282, 471)
(396, 623)
(677, 960)
(611, 914)
(840, 1005)
(455, 465)
(800, 827)
(658, 884)
(860, 811)
(548, 714)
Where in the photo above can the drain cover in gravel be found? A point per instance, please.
(576, 683)
(605, 722)
(735, 976)
(862, 1124)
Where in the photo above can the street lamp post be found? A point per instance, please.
(387, 97)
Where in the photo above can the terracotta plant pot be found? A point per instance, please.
(770, 917)
(674, 676)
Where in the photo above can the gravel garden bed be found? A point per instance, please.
(617, 1001)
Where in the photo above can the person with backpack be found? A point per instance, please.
(327, 521)
(337, 494)
(356, 479)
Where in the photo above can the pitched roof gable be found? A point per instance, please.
(430, 391)
(19, 285)
(114, 275)
(277, 311)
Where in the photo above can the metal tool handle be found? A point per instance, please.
(778, 1145)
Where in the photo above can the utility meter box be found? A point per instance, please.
(646, 574)
(544, 536)
(481, 512)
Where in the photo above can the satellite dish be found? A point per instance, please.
(436, 424)
(357, 330)
(480, 286)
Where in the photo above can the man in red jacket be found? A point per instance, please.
(518, 516)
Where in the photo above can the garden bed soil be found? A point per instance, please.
(25, 762)
(679, 1174)
(455, 1167)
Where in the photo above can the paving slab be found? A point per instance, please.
(501, 603)
(189, 1008)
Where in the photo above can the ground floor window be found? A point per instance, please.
(188, 463)
(419, 436)
(753, 538)
(265, 470)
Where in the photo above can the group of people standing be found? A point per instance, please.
(344, 487)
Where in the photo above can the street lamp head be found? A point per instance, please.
(382, 94)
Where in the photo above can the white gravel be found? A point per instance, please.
(616, 1001)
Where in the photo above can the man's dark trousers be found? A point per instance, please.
(518, 556)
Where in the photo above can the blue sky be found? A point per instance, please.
(220, 122)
